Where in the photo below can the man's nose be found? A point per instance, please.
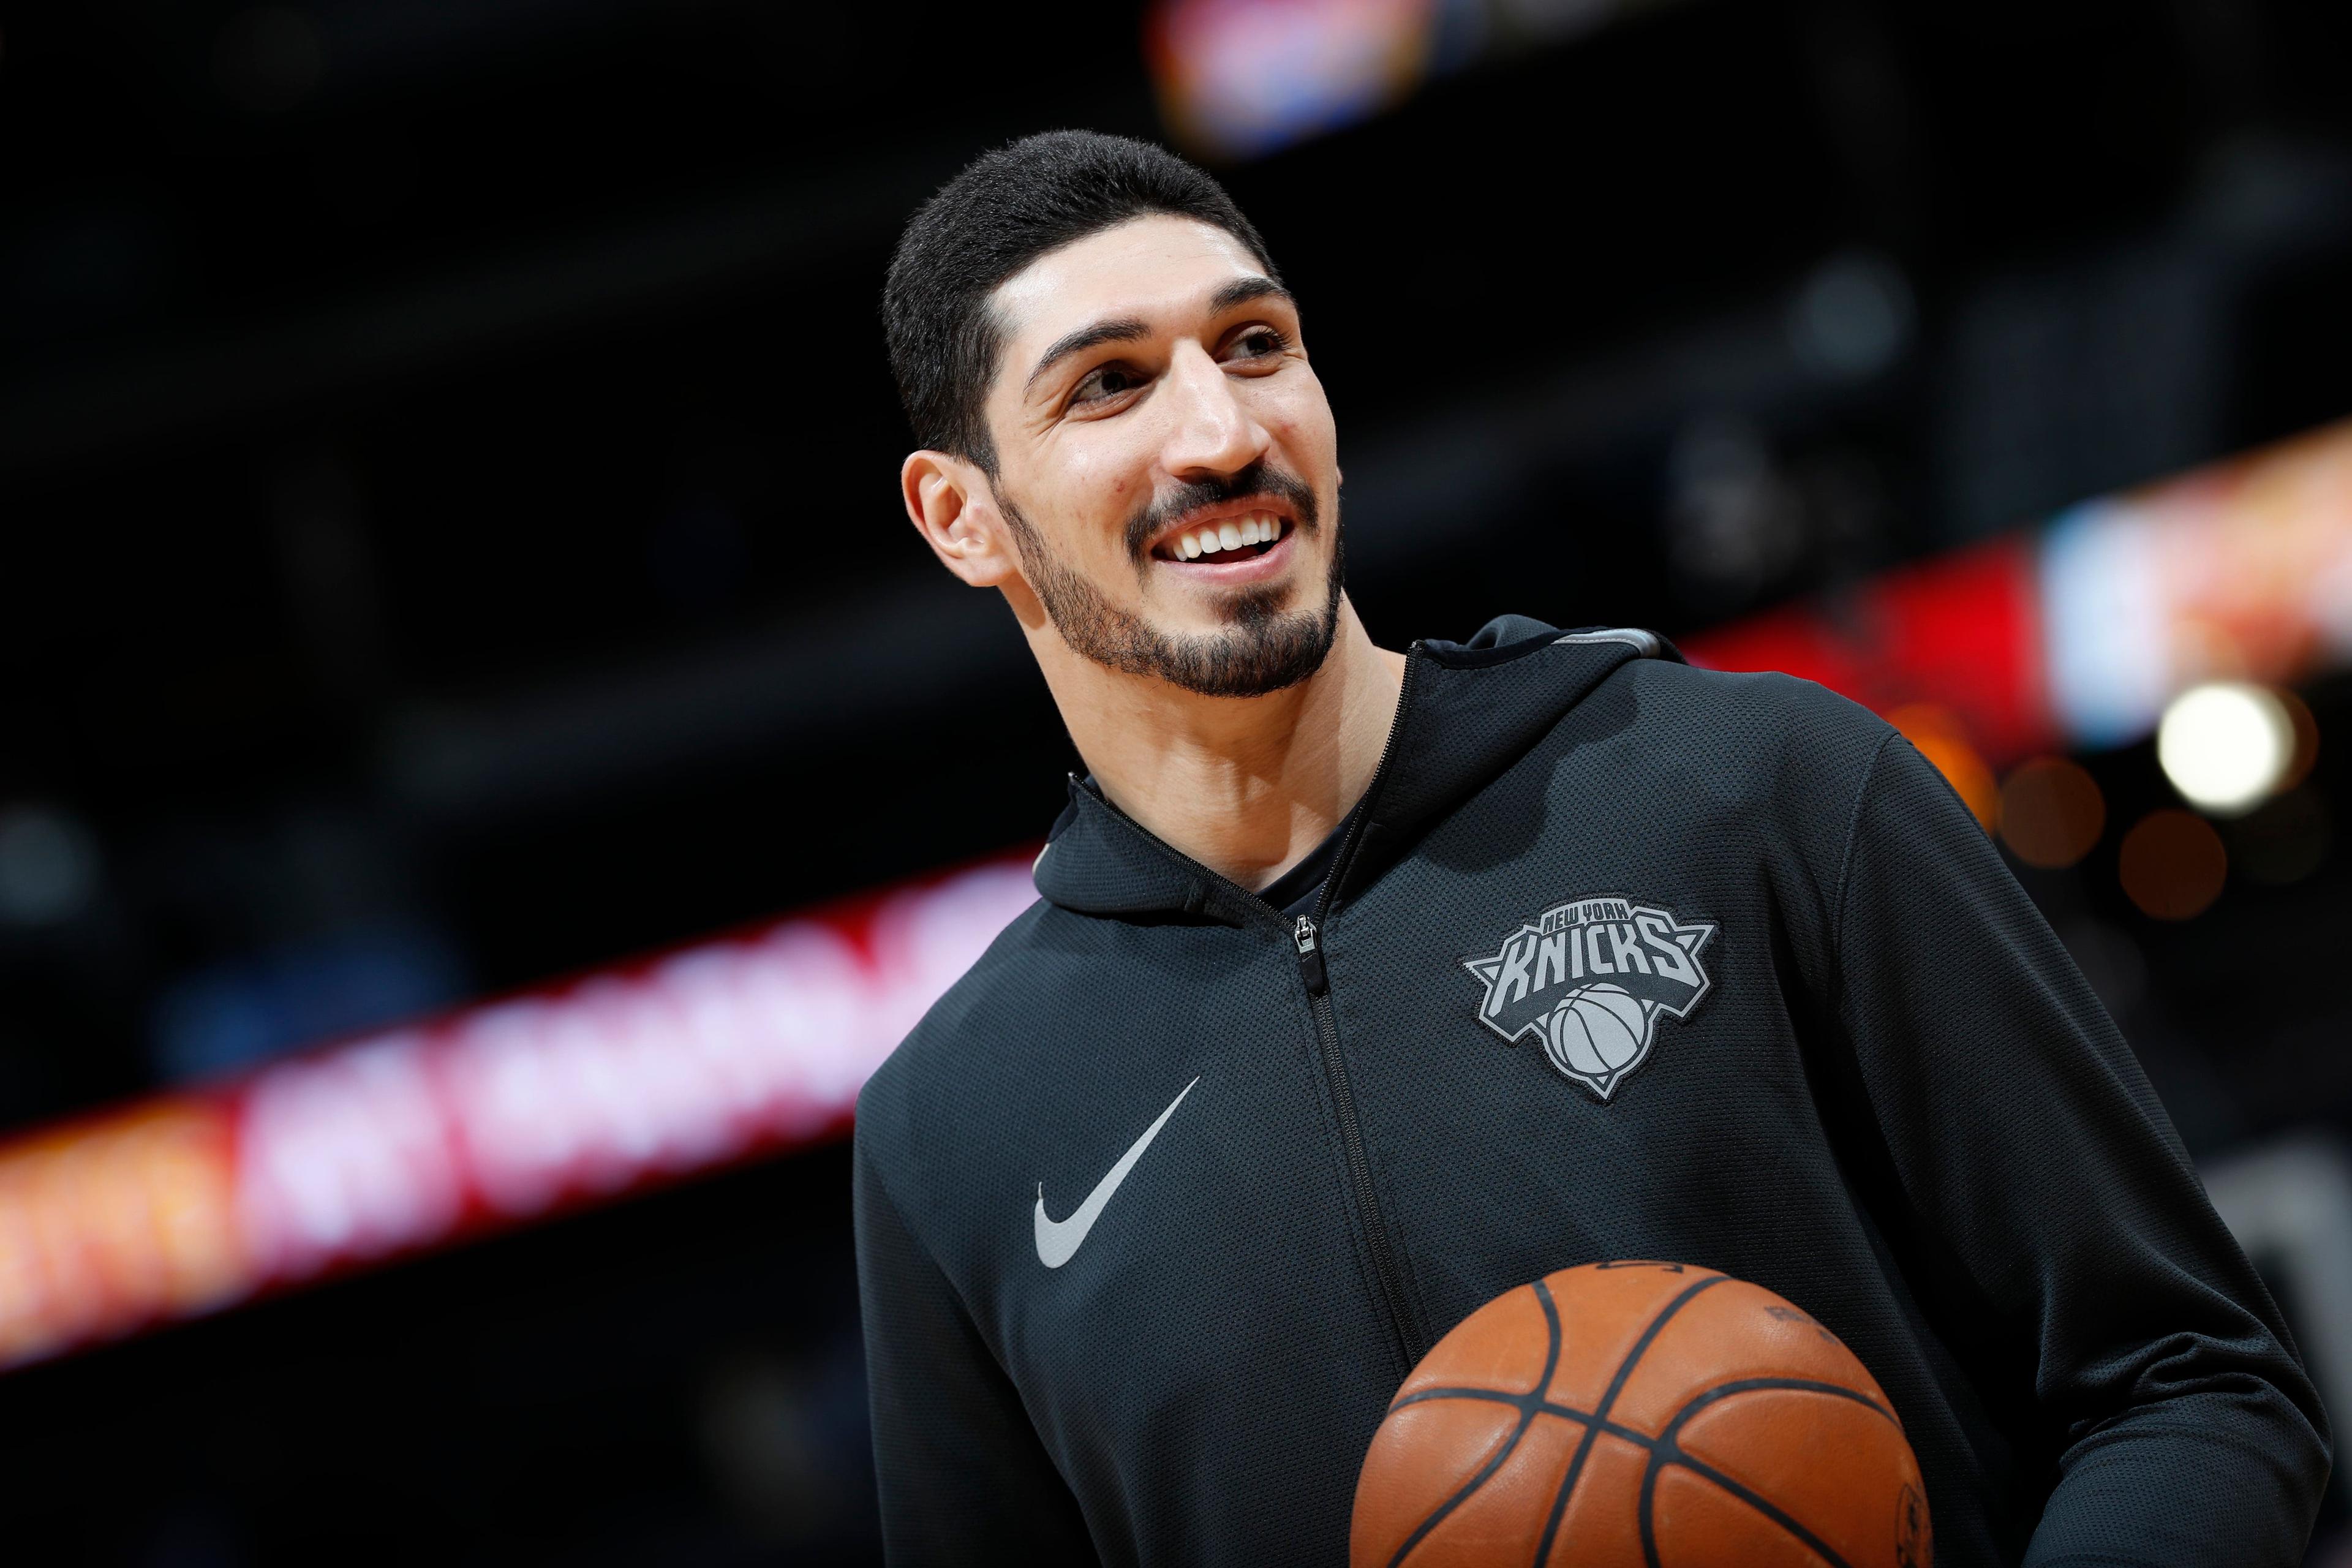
(1212, 433)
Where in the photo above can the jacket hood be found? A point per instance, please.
(1469, 711)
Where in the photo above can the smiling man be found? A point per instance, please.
(1368, 985)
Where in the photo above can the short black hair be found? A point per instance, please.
(1007, 209)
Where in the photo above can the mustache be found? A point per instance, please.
(1260, 479)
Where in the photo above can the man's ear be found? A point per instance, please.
(953, 507)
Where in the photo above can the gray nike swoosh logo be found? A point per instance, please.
(1058, 1240)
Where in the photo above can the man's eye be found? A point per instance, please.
(1106, 381)
(1258, 343)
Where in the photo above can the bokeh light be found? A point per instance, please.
(2052, 812)
(2173, 865)
(49, 866)
(2226, 745)
(1240, 77)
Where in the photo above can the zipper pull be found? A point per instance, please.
(1310, 957)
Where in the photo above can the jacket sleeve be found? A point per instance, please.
(2148, 1361)
(961, 1475)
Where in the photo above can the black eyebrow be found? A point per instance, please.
(1124, 329)
(1242, 291)
(1127, 329)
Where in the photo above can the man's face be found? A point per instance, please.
(1166, 459)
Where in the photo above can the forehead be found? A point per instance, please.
(1157, 269)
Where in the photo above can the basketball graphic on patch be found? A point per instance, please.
(1597, 1032)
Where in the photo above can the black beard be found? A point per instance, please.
(1264, 650)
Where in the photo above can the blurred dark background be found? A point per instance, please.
(447, 495)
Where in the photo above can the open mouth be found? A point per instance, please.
(1229, 538)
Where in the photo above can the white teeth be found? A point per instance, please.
(1233, 533)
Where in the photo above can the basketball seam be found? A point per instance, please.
(1652, 1445)
(1756, 1501)
(1667, 1451)
(1708, 1396)
(1541, 1407)
(1527, 1418)
(1601, 1412)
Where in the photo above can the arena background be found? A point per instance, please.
(485, 768)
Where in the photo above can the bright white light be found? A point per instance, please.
(2225, 745)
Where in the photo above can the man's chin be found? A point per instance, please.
(1254, 639)
(1246, 660)
(1255, 642)
(1214, 611)
(1247, 639)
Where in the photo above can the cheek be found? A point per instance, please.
(1110, 484)
(1298, 415)
(1100, 484)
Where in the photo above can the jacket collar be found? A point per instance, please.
(1469, 711)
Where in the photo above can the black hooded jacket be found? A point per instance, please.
(1619, 959)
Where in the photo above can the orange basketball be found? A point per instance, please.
(1640, 1415)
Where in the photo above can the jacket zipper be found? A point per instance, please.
(1385, 1284)
(1307, 937)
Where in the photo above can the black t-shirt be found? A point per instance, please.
(1294, 891)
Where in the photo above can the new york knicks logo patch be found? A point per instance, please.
(1589, 979)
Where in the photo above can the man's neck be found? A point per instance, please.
(1247, 786)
